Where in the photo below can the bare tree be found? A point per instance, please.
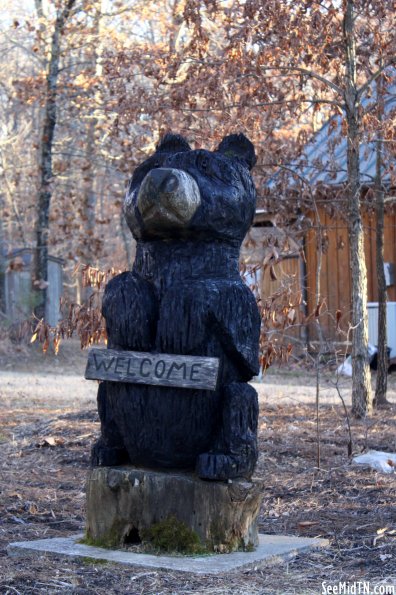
(382, 355)
(361, 378)
(2, 258)
(40, 275)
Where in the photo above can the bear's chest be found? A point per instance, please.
(184, 315)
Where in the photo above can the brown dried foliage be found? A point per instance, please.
(278, 313)
(84, 320)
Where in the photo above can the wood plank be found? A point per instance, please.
(390, 248)
(332, 275)
(310, 280)
(311, 259)
(152, 368)
(324, 270)
(343, 271)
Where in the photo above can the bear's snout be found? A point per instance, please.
(168, 198)
(163, 180)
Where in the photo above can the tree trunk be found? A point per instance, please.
(2, 259)
(382, 355)
(40, 272)
(361, 377)
(86, 251)
(222, 515)
(93, 58)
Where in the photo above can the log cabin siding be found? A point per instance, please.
(335, 277)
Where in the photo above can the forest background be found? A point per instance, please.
(89, 86)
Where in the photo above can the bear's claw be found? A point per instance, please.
(222, 467)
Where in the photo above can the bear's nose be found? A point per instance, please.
(167, 200)
(164, 180)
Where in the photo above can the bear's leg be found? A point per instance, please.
(235, 452)
(109, 450)
(131, 311)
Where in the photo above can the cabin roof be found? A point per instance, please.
(324, 159)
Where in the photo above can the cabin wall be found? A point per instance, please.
(286, 274)
(281, 280)
(335, 270)
(335, 275)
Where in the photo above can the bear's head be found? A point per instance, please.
(183, 193)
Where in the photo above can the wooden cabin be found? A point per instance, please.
(296, 270)
(322, 168)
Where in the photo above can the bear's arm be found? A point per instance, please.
(237, 325)
(131, 312)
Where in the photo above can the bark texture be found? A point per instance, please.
(124, 502)
(40, 274)
(361, 377)
(2, 259)
(382, 356)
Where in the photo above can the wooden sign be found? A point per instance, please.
(152, 368)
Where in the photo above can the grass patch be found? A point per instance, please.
(109, 542)
(172, 535)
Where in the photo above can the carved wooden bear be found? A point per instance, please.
(189, 211)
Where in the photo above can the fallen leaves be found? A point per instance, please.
(50, 441)
(383, 532)
(305, 524)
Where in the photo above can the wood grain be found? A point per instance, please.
(152, 368)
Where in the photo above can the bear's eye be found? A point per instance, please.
(157, 163)
(204, 163)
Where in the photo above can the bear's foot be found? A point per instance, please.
(218, 466)
(105, 456)
(234, 452)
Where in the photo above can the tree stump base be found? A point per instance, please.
(126, 505)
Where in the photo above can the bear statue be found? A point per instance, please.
(189, 211)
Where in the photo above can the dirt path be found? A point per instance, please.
(38, 377)
(39, 387)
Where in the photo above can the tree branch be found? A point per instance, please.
(260, 104)
(290, 69)
(374, 77)
(65, 13)
(30, 53)
(308, 73)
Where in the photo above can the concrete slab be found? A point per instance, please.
(272, 548)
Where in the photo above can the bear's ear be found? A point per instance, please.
(238, 146)
(172, 143)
